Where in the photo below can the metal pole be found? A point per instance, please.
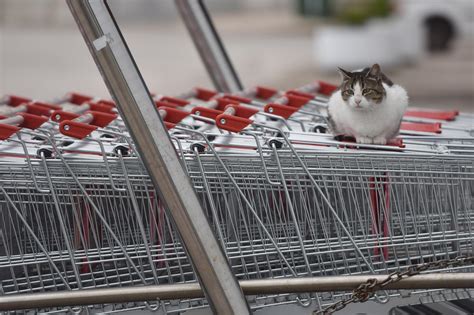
(250, 287)
(209, 45)
(125, 84)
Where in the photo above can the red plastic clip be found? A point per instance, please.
(223, 102)
(6, 131)
(326, 88)
(243, 111)
(206, 112)
(239, 99)
(169, 125)
(397, 142)
(29, 121)
(438, 115)
(78, 99)
(99, 119)
(265, 92)
(161, 103)
(99, 107)
(106, 102)
(232, 123)
(15, 101)
(296, 101)
(174, 115)
(174, 100)
(60, 115)
(102, 119)
(76, 129)
(422, 127)
(280, 110)
(32, 121)
(42, 108)
(300, 94)
(205, 94)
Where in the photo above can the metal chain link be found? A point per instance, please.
(367, 290)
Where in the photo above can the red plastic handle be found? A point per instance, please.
(232, 123)
(32, 121)
(174, 100)
(204, 94)
(102, 119)
(14, 100)
(280, 110)
(239, 99)
(206, 112)
(78, 98)
(6, 131)
(422, 127)
(223, 102)
(243, 111)
(161, 103)
(46, 105)
(174, 115)
(296, 101)
(438, 115)
(100, 107)
(76, 129)
(397, 142)
(265, 93)
(106, 102)
(326, 88)
(60, 115)
(169, 125)
(39, 110)
(301, 94)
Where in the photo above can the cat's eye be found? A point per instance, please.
(349, 92)
(368, 91)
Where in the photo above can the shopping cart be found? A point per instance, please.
(79, 210)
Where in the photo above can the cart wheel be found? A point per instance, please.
(199, 147)
(320, 129)
(275, 143)
(47, 153)
(122, 150)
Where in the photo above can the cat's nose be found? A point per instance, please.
(358, 102)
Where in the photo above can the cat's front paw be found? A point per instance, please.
(380, 140)
(364, 140)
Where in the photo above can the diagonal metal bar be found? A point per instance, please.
(209, 45)
(125, 84)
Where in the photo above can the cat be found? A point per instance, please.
(368, 106)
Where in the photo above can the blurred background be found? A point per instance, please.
(425, 45)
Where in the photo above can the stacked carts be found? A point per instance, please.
(284, 198)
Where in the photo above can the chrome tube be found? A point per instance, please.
(125, 84)
(210, 47)
(250, 287)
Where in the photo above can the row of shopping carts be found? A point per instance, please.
(284, 197)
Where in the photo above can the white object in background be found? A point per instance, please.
(407, 38)
(355, 47)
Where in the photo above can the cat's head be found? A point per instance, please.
(362, 90)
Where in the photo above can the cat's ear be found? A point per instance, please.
(345, 74)
(374, 71)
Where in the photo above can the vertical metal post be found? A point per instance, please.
(125, 84)
(209, 45)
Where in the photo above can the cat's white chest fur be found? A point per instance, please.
(377, 124)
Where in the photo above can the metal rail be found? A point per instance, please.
(209, 45)
(125, 84)
(250, 287)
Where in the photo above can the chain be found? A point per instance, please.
(367, 290)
